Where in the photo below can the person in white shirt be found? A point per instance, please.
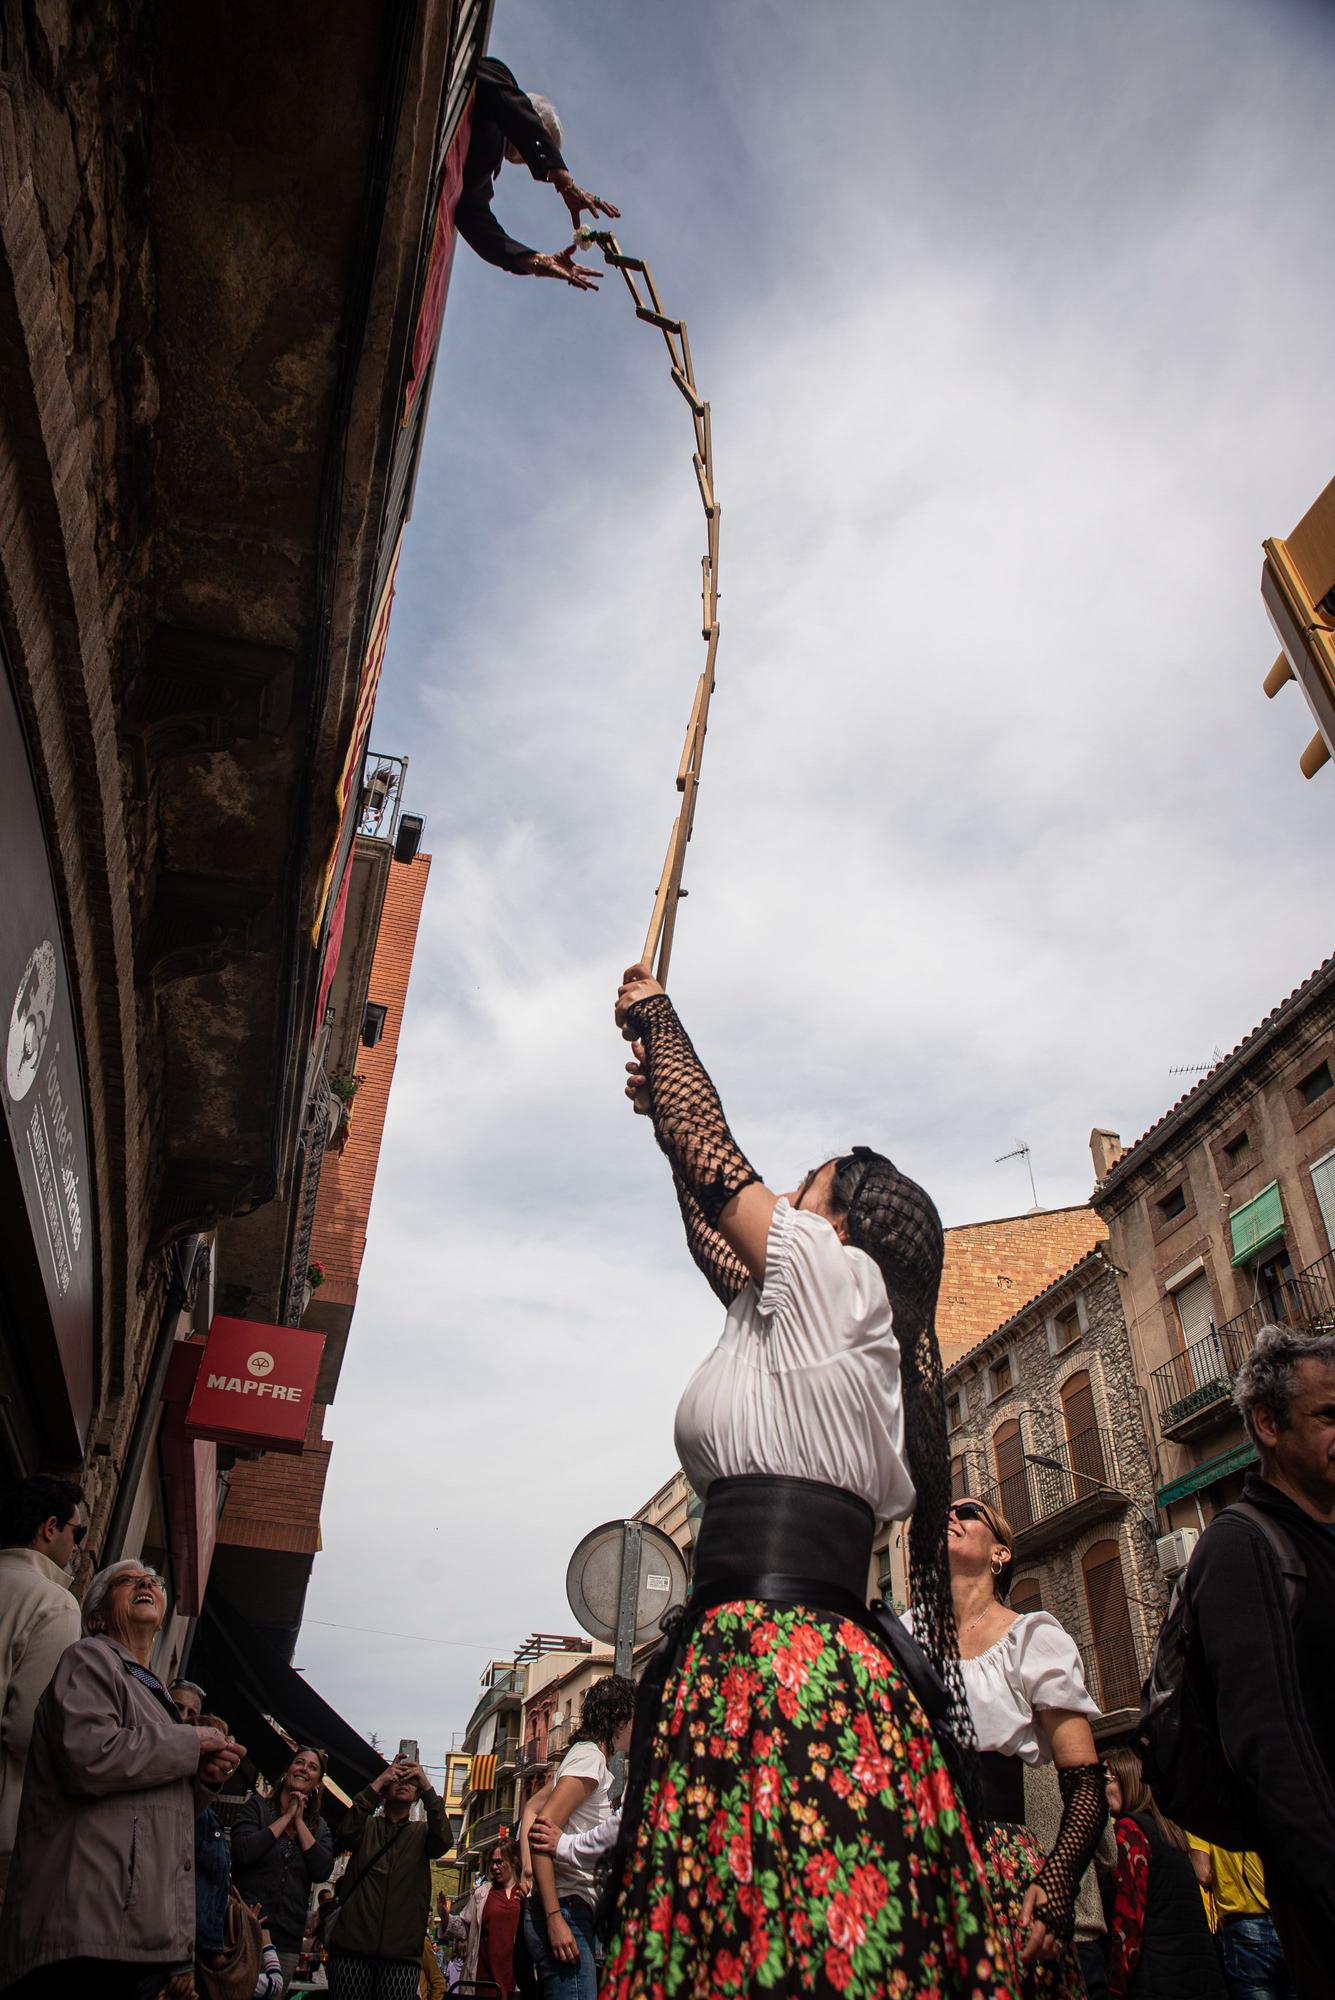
(791, 1824)
(1029, 1705)
(559, 1934)
(41, 1526)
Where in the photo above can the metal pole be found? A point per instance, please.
(629, 1599)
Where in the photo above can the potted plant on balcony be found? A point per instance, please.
(343, 1087)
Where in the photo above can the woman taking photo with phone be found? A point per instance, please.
(791, 1825)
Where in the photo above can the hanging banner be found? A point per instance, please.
(432, 309)
(41, 1084)
(256, 1385)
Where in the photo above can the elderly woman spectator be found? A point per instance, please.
(281, 1847)
(102, 1889)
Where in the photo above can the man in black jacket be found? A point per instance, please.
(1274, 1673)
(510, 125)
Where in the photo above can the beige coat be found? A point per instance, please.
(38, 1619)
(104, 1862)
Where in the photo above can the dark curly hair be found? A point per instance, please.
(608, 1704)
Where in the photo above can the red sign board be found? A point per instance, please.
(256, 1385)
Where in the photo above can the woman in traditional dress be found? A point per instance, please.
(791, 1825)
(1029, 1705)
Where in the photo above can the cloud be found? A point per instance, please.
(1013, 336)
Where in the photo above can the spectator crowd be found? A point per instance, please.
(1205, 1868)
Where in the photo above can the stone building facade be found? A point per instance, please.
(1221, 1219)
(1046, 1426)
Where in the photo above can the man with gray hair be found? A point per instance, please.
(508, 124)
(1268, 1645)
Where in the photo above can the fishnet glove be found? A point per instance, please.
(688, 1119)
(1084, 1815)
(724, 1270)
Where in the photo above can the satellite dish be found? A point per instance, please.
(655, 1584)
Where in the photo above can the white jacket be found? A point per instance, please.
(39, 1618)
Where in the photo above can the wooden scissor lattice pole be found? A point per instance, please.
(662, 923)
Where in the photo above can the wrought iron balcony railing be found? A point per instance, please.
(1113, 1671)
(1193, 1390)
(534, 1755)
(1077, 1484)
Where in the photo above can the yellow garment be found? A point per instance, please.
(1239, 1880)
(431, 1985)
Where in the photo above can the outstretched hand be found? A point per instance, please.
(561, 264)
(578, 199)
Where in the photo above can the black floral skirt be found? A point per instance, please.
(800, 1833)
(1012, 1858)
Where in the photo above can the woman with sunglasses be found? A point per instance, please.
(1029, 1704)
(790, 1824)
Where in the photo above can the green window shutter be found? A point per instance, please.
(1257, 1223)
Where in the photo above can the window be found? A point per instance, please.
(955, 1409)
(1237, 1149)
(1067, 1326)
(1275, 1288)
(1193, 1309)
(1116, 1669)
(1027, 1594)
(1172, 1204)
(1316, 1083)
(1012, 1475)
(1323, 1187)
(1003, 1376)
(959, 1478)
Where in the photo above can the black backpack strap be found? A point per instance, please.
(345, 1890)
(1288, 1559)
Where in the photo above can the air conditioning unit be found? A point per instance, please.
(1174, 1551)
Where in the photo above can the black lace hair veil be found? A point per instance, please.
(896, 1223)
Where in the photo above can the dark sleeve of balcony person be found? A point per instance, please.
(508, 124)
(1273, 1682)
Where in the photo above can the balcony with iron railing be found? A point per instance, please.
(507, 1753)
(1051, 1501)
(491, 1827)
(1193, 1390)
(506, 1691)
(535, 1755)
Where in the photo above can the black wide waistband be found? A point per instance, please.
(1001, 1790)
(777, 1528)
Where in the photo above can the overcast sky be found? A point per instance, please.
(1016, 323)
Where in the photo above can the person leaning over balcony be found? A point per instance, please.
(791, 1823)
(1029, 1703)
(1270, 1671)
(281, 1847)
(40, 1528)
(102, 1888)
(510, 125)
(376, 1952)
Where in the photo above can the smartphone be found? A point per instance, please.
(408, 1749)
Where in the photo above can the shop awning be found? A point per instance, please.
(1257, 1223)
(1208, 1473)
(248, 1682)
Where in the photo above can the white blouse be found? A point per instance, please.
(1034, 1666)
(805, 1380)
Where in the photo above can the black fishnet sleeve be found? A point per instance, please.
(1084, 1815)
(688, 1119)
(724, 1270)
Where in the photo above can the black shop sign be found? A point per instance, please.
(41, 1086)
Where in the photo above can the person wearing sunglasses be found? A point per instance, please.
(40, 1529)
(790, 1823)
(1029, 1703)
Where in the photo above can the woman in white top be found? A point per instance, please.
(559, 1931)
(790, 1823)
(1029, 1704)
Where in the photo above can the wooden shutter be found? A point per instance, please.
(1083, 1443)
(959, 1482)
(1027, 1595)
(1110, 1622)
(1323, 1186)
(1008, 1451)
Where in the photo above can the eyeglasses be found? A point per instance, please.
(148, 1581)
(969, 1510)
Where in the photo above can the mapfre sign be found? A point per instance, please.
(256, 1384)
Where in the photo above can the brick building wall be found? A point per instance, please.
(992, 1268)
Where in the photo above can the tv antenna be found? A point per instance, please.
(1198, 1068)
(1021, 1153)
